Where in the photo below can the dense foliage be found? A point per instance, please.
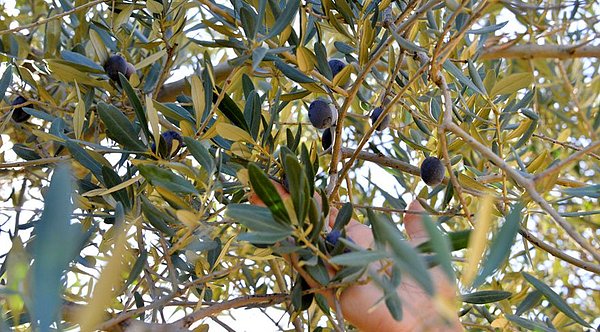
(125, 181)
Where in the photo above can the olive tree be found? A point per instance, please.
(133, 133)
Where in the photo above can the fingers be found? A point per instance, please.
(413, 223)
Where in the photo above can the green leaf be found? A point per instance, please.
(248, 19)
(157, 218)
(554, 298)
(475, 76)
(488, 29)
(55, 244)
(82, 62)
(441, 247)
(343, 217)
(111, 179)
(359, 258)
(501, 244)
(165, 178)
(252, 113)
(136, 103)
(257, 56)
(25, 152)
(458, 240)
(85, 159)
(293, 73)
(174, 111)
(5, 81)
(231, 111)
(298, 186)
(456, 72)
(259, 220)
(119, 128)
(405, 256)
(285, 18)
(322, 64)
(140, 262)
(486, 296)
(201, 154)
(267, 192)
(530, 301)
(528, 324)
(592, 191)
(527, 135)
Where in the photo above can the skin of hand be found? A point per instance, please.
(359, 302)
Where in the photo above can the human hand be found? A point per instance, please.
(359, 304)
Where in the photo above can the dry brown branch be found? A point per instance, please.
(534, 51)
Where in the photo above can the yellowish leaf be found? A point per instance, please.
(306, 59)
(154, 6)
(198, 98)
(478, 240)
(99, 46)
(512, 83)
(233, 133)
(122, 185)
(79, 114)
(501, 323)
(107, 287)
(152, 115)
(151, 59)
(519, 131)
(188, 218)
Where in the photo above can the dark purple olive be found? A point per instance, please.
(333, 237)
(114, 65)
(432, 171)
(321, 115)
(336, 66)
(376, 114)
(327, 139)
(19, 115)
(170, 144)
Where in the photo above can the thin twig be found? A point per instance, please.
(554, 251)
(54, 17)
(571, 159)
(240, 302)
(528, 185)
(354, 90)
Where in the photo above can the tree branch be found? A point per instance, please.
(533, 51)
(244, 301)
(552, 250)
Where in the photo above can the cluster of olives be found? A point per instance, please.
(116, 64)
(323, 116)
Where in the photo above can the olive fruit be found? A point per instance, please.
(321, 115)
(114, 65)
(336, 66)
(170, 144)
(130, 70)
(333, 237)
(376, 114)
(432, 171)
(327, 139)
(19, 115)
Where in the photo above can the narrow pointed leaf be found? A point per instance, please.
(555, 299)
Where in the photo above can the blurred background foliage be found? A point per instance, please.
(101, 230)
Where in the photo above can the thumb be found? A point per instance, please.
(413, 223)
